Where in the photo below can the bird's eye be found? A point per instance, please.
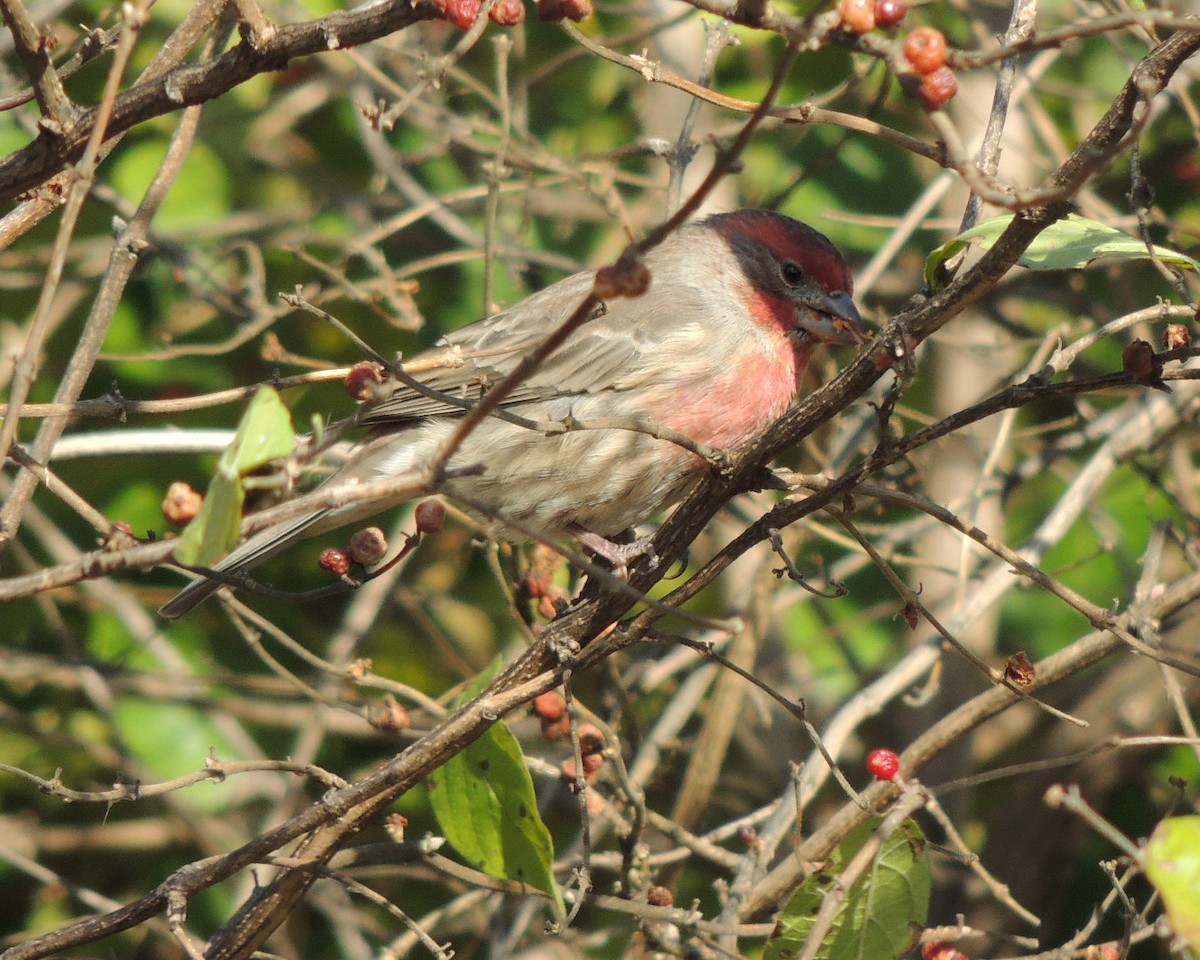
(792, 275)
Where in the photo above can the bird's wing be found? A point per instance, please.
(472, 360)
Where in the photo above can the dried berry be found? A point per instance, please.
(857, 16)
(659, 897)
(507, 13)
(749, 837)
(1020, 669)
(558, 729)
(389, 715)
(925, 49)
(937, 88)
(883, 764)
(430, 515)
(1143, 365)
(591, 740)
(335, 560)
(181, 503)
(552, 11)
(368, 546)
(362, 379)
(625, 278)
(394, 824)
(888, 13)
(1175, 336)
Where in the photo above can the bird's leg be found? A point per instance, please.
(618, 554)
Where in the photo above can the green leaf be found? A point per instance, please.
(883, 912)
(172, 740)
(1069, 244)
(484, 802)
(1172, 862)
(214, 529)
(203, 191)
(264, 434)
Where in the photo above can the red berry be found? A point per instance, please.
(335, 560)
(549, 705)
(883, 764)
(461, 13)
(925, 49)
(430, 515)
(937, 88)
(888, 13)
(941, 950)
(858, 16)
(507, 13)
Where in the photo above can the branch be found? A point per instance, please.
(188, 85)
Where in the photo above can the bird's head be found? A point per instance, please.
(796, 277)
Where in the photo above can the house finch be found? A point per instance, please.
(714, 349)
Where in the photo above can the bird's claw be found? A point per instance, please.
(619, 555)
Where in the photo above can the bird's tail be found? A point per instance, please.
(259, 548)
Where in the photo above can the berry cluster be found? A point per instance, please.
(366, 548)
(924, 48)
(508, 13)
(863, 16)
(551, 709)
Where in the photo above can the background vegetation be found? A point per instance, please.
(407, 177)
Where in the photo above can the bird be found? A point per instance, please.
(714, 349)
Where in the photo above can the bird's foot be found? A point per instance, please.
(618, 554)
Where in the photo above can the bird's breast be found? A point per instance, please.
(736, 401)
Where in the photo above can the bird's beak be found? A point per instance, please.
(832, 318)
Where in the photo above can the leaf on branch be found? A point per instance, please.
(264, 434)
(1172, 862)
(883, 912)
(485, 804)
(1069, 244)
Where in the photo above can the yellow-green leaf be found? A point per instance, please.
(264, 433)
(1069, 244)
(1172, 862)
